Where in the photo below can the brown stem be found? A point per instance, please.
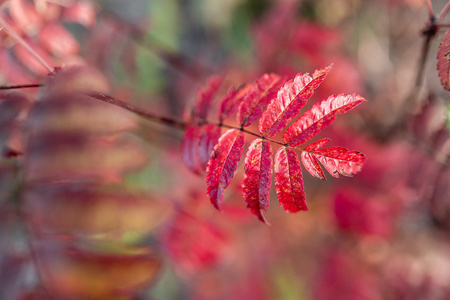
(250, 132)
(143, 113)
(20, 86)
(139, 111)
(423, 58)
(166, 120)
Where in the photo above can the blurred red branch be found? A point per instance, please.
(15, 36)
(444, 11)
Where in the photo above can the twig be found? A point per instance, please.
(20, 86)
(167, 120)
(443, 12)
(139, 111)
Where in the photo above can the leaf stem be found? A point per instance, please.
(250, 132)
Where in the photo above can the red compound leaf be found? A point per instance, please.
(289, 181)
(223, 164)
(290, 99)
(337, 160)
(260, 94)
(318, 117)
(443, 64)
(258, 177)
(275, 105)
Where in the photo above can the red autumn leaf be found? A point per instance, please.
(81, 12)
(57, 40)
(16, 74)
(364, 211)
(312, 165)
(24, 15)
(318, 117)
(289, 181)
(223, 163)
(209, 136)
(443, 64)
(205, 98)
(189, 241)
(317, 145)
(258, 177)
(230, 102)
(337, 160)
(197, 145)
(260, 94)
(189, 149)
(288, 102)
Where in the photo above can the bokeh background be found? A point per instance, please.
(96, 203)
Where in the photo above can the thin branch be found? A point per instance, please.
(15, 36)
(423, 56)
(143, 113)
(20, 86)
(430, 9)
(430, 31)
(139, 111)
(250, 132)
(443, 12)
(166, 120)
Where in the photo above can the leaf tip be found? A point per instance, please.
(263, 219)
